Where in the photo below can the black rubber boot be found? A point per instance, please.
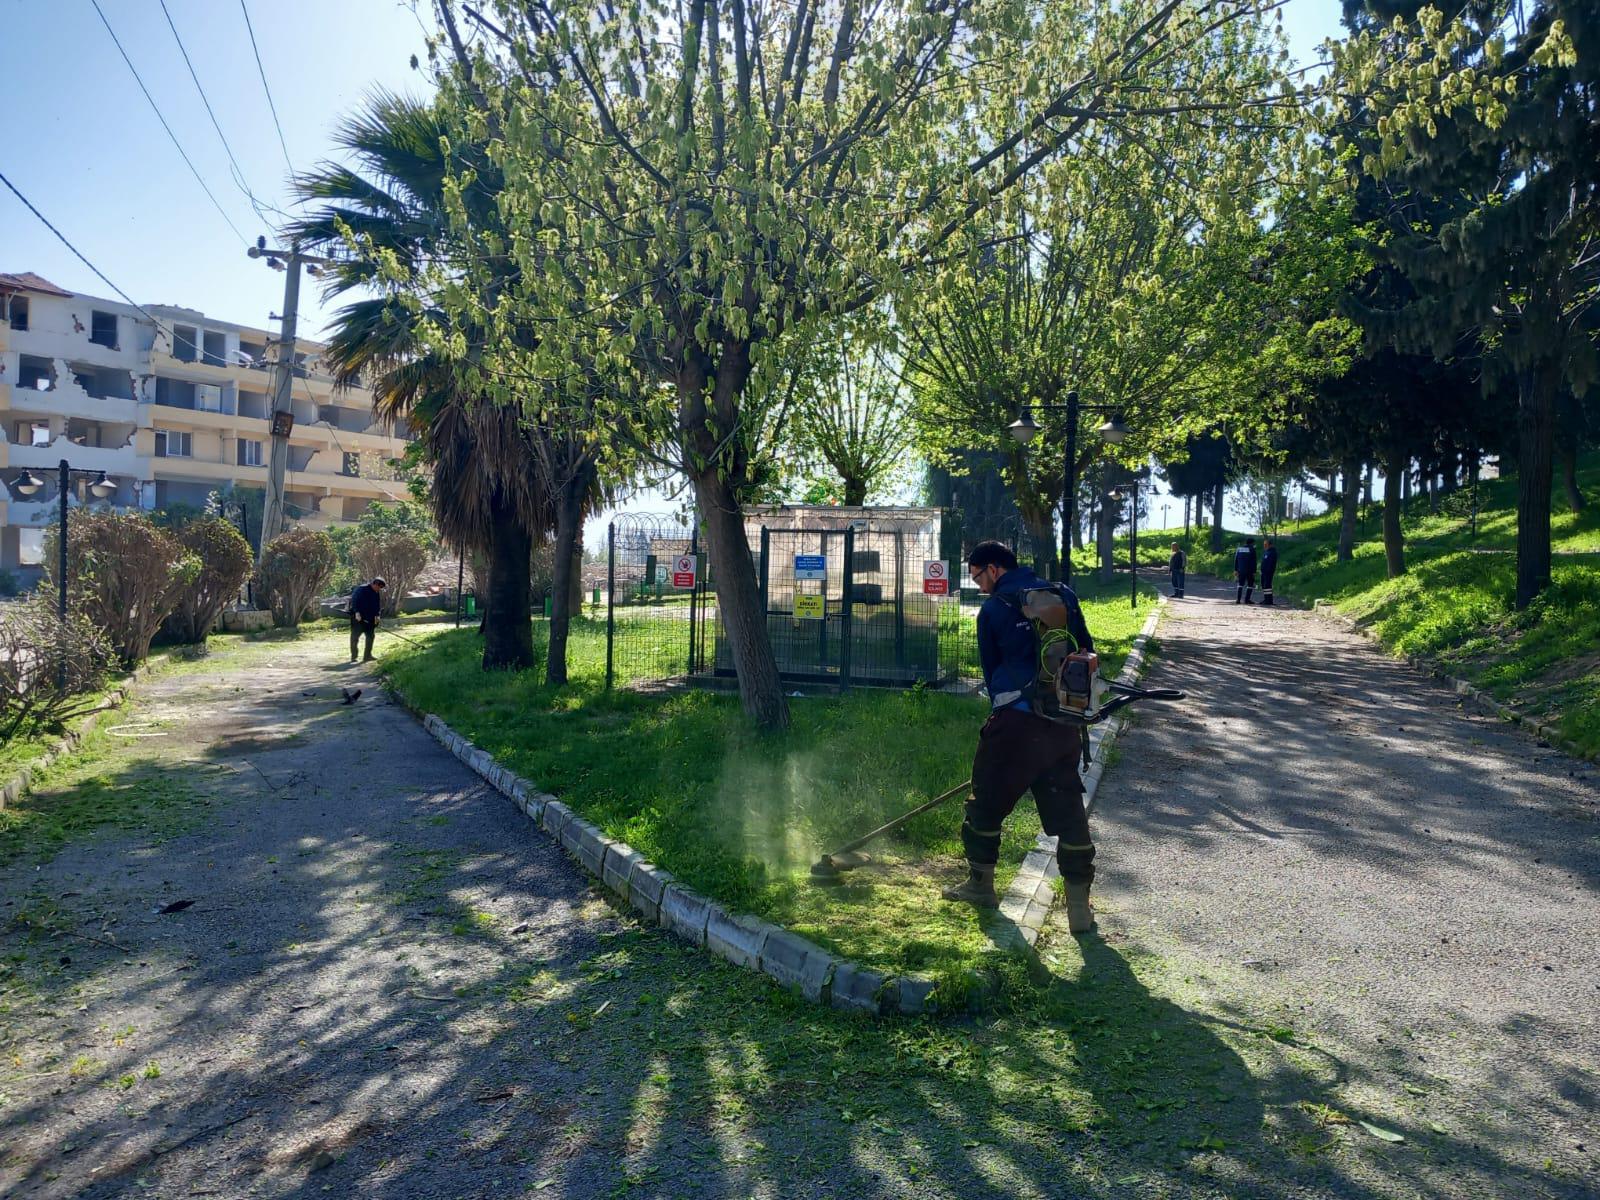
(977, 889)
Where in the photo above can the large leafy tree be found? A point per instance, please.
(685, 187)
(1492, 114)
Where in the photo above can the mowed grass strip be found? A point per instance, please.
(742, 815)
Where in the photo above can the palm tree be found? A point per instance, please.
(491, 466)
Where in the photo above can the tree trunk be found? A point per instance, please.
(1348, 500)
(1186, 518)
(1217, 499)
(569, 539)
(855, 492)
(1042, 533)
(739, 602)
(508, 637)
(1394, 550)
(1366, 485)
(1535, 446)
(1105, 540)
(1569, 476)
(1405, 483)
(1450, 476)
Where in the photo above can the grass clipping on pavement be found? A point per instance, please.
(741, 815)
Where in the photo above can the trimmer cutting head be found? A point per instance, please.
(828, 871)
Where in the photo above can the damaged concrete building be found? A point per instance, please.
(171, 409)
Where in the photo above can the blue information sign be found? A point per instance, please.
(810, 566)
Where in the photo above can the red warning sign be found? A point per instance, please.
(936, 577)
(683, 570)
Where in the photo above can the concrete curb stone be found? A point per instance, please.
(555, 818)
(587, 844)
(685, 912)
(857, 989)
(794, 962)
(617, 870)
(738, 938)
(647, 884)
(17, 786)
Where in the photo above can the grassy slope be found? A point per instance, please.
(741, 815)
(1454, 604)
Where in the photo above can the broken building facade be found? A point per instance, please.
(170, 409)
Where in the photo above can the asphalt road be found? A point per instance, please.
(1323, 838)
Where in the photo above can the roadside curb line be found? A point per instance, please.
(1481, 699)
(1032, 895)
(655, 893)
(17, 786)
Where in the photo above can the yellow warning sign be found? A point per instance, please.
(809, 606)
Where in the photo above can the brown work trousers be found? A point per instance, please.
(1018, 752)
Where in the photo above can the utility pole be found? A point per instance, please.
(282, 418)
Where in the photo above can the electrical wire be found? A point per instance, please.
(264, 85)
(63, 239)
(238, 172)
(164, 125)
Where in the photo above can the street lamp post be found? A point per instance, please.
(29, 485)
(1024, 428)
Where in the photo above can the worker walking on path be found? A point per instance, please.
(1178, 565)
(1269, 568)
(1019, 749)
(1244, 570)
(366, 602)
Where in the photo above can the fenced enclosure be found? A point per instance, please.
(842, 590)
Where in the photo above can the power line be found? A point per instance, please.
(163, 121)
(264, 86)
(81, 258)
(238, 171)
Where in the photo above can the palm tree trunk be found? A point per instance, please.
(508, 625)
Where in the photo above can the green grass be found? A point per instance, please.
(742, 815)
(1454, 605)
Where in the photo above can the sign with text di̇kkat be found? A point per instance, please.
(809, 607)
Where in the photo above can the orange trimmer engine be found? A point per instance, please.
(1075, 680)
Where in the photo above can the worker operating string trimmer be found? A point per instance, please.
(1038, 664)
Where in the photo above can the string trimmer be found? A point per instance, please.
(402, 637)
(828, 869)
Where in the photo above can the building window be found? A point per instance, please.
(19, 313)
(170, 443)
(352, 463)
(30, 547)
(216, 349)
(38, 433)
(249, 452)
(185, 343)
(36, 374)
(103, 329)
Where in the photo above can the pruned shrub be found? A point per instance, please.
(124, 574)
(224, 566)
(294, 567)
(397, 555)
(48, 668)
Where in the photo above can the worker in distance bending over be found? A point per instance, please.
(1028, 629)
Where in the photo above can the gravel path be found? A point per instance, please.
(1328, 844)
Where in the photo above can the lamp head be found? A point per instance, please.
(1023, 428)
(103, 486)
(1113, 431)
(29, 484)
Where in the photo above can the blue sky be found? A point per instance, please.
(80, 140)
